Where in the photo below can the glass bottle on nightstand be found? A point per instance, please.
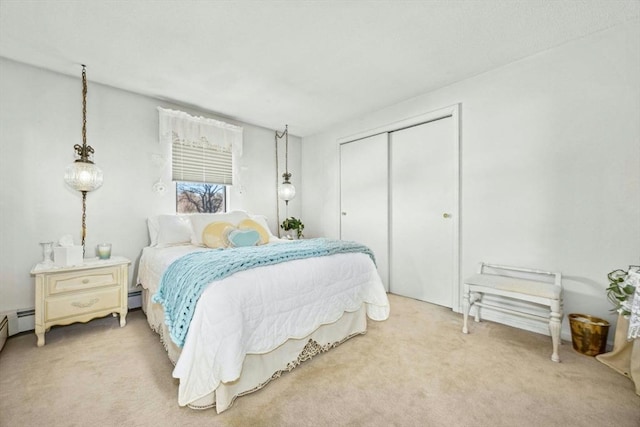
(47, 253)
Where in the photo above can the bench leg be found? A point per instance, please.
(477, 297)
(555, 323)
(465, 309)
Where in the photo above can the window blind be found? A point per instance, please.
(199, 163)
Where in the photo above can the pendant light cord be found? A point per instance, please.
(286, 149)
(277, 184)
(84, 219)
(84, 145)
(84, 105)
(286, 175)
(84, 151)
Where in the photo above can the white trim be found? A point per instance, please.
(405, 123)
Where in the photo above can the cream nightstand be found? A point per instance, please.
(80, 293)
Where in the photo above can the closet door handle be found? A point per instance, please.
(446, 215)
(344, 214)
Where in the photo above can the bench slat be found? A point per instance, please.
(512, 284)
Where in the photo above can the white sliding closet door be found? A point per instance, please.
(364, 197)
(423, 168)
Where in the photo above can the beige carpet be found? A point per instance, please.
(415, 369)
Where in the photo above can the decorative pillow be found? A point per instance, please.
(200, 221)
(239, 238)
(173, 230)
(262, 221)
(250, 224)
(214, 234)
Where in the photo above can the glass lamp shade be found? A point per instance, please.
(287, 191)
(83, 176)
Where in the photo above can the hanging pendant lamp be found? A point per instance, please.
(83, 175)
(286, 190)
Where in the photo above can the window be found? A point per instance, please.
(197, 197)
(203, 155)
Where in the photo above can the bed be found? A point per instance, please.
(249, 326)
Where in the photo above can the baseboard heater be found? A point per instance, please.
(25, 313)
(24, 319)
(135, 299)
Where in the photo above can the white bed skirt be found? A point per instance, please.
(259, 369)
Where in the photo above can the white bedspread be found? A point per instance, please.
(255, 311)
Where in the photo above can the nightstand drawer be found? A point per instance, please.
(78, 280)
(82, 303)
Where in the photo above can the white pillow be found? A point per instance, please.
(152, 225)
(173, 230)
(200, 221)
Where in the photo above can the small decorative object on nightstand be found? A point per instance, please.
(47, 253)
(65, 295)
(104, 250)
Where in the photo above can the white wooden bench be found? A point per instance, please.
(522, 284)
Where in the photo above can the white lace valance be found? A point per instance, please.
(183, 128)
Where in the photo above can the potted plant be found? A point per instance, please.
(291, 224)
(620, 292)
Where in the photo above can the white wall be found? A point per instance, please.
(550, 163)
(41, 120)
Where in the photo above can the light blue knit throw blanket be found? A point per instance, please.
(186, 278)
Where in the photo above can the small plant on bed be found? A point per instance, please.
(291, 224)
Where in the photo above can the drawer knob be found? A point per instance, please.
(85, 304)
(85, 281)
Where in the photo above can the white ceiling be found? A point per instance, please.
(306, 63)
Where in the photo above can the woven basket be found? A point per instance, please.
(588, 334)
